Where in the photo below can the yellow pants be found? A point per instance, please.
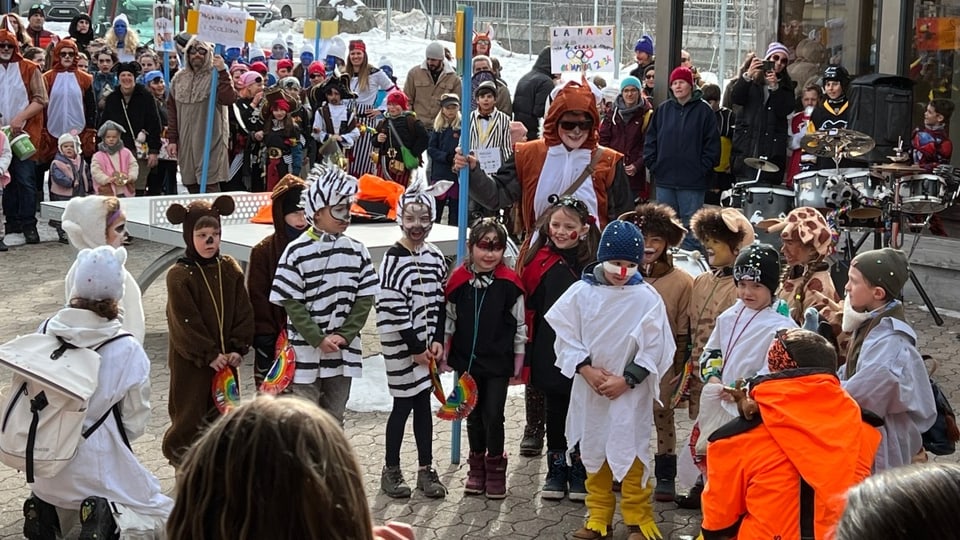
(635, 499)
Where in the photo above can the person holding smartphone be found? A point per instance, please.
(766, 93)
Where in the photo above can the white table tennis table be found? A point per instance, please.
(146, 219)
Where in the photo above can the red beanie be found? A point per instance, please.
(358, 45)
(398, 98)
(286, 63)
(317, 67)
(683, 74)
(259, 67)
(282, 105)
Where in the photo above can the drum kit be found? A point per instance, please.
(879, 199)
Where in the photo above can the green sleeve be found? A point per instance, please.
(303, 323)
(636, 373)
(357, 318)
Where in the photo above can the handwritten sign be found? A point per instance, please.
(163, 26)
(223, 26)
(581, 48)
(489, 158)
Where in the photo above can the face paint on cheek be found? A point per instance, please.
(574, 235)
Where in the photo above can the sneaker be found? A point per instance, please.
(428, 481)
(96, 520)
(393, 484)
(40, 521)
(3, 247)
(31, 236)
(555, 485)
(578, 479)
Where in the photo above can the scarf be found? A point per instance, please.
(103, 147)
(627, 112)
(837, 103)
(867, 322)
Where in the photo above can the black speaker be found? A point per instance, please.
(882, 107)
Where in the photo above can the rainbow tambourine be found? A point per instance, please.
(280, 375)
(461, 401)
(226, 389)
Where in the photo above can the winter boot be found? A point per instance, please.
(40, 521)
(476, 475)
(578, 477)
(691, 501)
(532, 442)
(589, 534)
(96, 520)
(555, 486)
(393, 484)
(496, 467)
(665, 469)
(428, 481)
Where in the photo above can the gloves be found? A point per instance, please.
(711, 364)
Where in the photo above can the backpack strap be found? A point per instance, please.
(115, 409)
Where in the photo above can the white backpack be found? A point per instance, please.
(44, 407)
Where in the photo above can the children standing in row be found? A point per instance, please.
(411, 316)
(327, 285)
(567, 242)
(618, 366)
(486, 337)
(662, 230)
(210, 321)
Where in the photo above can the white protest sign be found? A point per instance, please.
(579, 48)
(163, 26)
(223, 26)
(489, 158)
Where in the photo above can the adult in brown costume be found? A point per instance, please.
(71, 106)
(209, 317)
(552, 166)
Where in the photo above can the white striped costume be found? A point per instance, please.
(361, 163)
(494, 134)
(327, 274)
(411, 297)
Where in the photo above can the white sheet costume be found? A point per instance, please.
(612, 326)
(891, 381)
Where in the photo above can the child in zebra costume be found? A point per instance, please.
(327, 285)
(410, 316)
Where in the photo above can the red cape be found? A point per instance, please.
(463, 275)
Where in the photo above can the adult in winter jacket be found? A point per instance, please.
(782, 468)
(766, 97)
(530, 97)
(132, 108)
(72, 107)
(429, 81)
(682, 145)
(623, 130)
(81, 30)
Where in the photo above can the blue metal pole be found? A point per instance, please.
(208, 137)
(465, 95)
(166, 71)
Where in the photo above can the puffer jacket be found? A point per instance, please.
(530, 97)
(762, 126)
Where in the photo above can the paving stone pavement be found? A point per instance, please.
(31, 288)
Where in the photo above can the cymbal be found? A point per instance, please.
(896, 167)
(761, 164)
(837, 142)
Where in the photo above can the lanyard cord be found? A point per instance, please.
(732, 342)
(217, 309)
(476, 323)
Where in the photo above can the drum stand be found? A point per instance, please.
(913, 277)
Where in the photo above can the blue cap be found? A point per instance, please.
(151, 76)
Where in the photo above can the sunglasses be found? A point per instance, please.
(67, 54)
(491, 245)
(778, 59)
(6, 46)
(316, 76)
(569, 125)
(195, 50)
(651, 76)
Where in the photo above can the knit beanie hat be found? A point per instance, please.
(258, 67)
(98, 273)
(237, 66)
(286, 63)
(85, 221)
(249, 78)
(188, 216)
(435, 51)
(887, 268)
(397, 97)
(774, 48)
(69, 137)
(317, 67)
(327, 186)
(644, 45)
(683, 74)
(760, 263)
(621, 241)
(838, 73)
(629, 81)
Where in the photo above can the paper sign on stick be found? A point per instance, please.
(579, 48)
(328, 29)
(223, 26)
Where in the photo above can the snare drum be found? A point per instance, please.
(870, 192)
(765, 202)
(810, 187)
(922, 194)
(692, 261)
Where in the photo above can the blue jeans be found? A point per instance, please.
(685, 202)
(20, 196)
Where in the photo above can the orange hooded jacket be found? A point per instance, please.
(810, 442)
